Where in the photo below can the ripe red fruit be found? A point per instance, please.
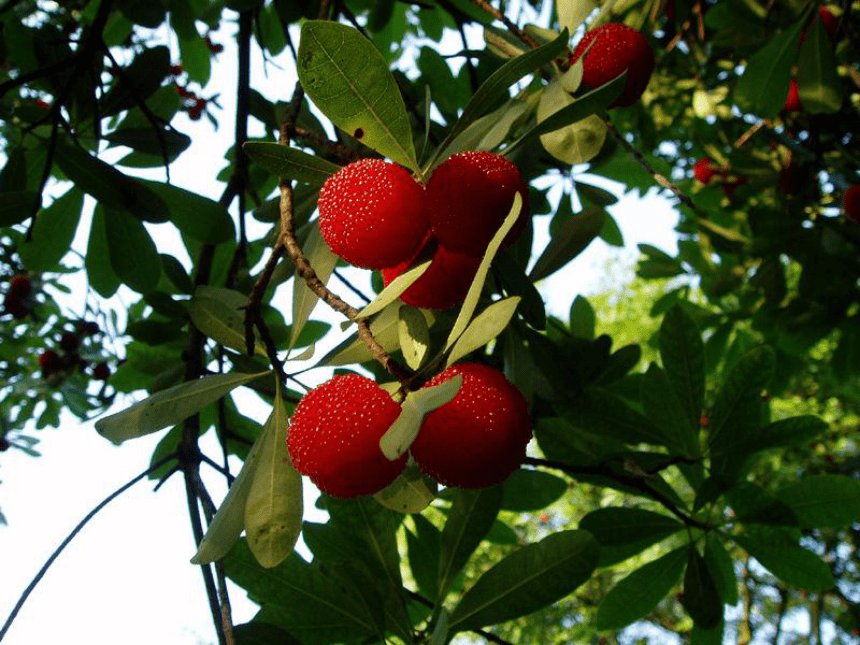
(373, 214)
(704, 170)
(50, 362)
(101, 371)
(469, 195)
(334, 436)
(792, 101)
(445, 282)
(20, 285)
(479, 437)
(69, 342)
(828, 20)
(617, 48)
(851, 204)
(14, 305)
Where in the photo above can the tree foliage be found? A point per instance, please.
(709, 489)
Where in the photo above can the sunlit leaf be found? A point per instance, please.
(414, 336)
(322, 261)
(411, 492)
(483, 328)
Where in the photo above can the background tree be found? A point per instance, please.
(694, 469)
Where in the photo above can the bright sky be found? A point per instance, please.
(126, 577)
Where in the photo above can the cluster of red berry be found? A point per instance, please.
(375, 215)
(18, 302)
(475, 440)
(193, 104)
(53, 363)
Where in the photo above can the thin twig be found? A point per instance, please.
(107, 500)
(510, 26)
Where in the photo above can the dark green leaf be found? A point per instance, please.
(196, 216)
(785, 432)
(624, 532)
(162, 143)
(348, 80)
(138, 81)
(529, 579)
(290, 163)
(424, 547)
(582, 318)
(790, 563)
(683, 356)
(132, 252)
(471, 517)
(100, 273)
(666, 411)
(17, 206)
(701, 599)
(752, 503)
(818, 80)
(257, 633)
(602, 413)
(637, 594)
(531, 490)
(572, 239)
(53, 232)
(823, 501)
(722, 569)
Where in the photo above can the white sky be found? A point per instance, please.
(126, 577)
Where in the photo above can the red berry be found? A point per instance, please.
(20, 285)
(69, 342)
(445, 282)
(42, 104)
(469, 196)
(617, 48)
(731, 184)
(176, 70)
(50, 362)
(704, 170)
(334, 436)
(15, 306)
(851, 204)
(792, 101)
(791, 178)
(828, 20)
(479, 437)
(373, 214)
(101, 371)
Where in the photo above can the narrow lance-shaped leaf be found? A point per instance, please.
(791, 563)
(701, 599)
(411, 492)
(624, 532)
(53, 232)
(290, 163)
(414, 336)
(529, 579)
(823, 501)
(683, 355)
(169, 407)
(573, 238)
(818, 82)
(392, 292)
(349, 81)
(323, 261)
(273, 510)
(220, 322)
(484, 328)
(133, 254)
(666, 412)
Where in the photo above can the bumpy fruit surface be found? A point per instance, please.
(469, 196)
(851, 204)
(792, 101)
(445, 282)
(704, 170)
(616, 48)
(373, 214)
(334, 436)
(479, 437)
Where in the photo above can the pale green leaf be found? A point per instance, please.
(411, 492)
(221, 322)
(322, 261)
(484, 328)
(414, 336)
(392, 292)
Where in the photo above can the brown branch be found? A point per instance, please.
(510, 26)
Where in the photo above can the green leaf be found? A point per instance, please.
(196, 216)
(666, 411)
(722, 569)
(138, 81)
(605, 414)
(411, 492)
(414, 336)
(299, 598)
(385, 329)
(639, 592)
(818, 81)
(132, 252)
(624, 532)
(764, 85)
(290, 163)
(323, 261)
(736, 411)
(423, 548)
(220, 321)
(577, 142)
(160, 143)
(227, 525)
(484, 328)
(754, 504)
(256, 633)
(496, 86)
(531, 490)
(348, 80)
(100, 273)
(392, 292)
(472, 514)
(573, 237)
(529, 579)
(17, 206)
(683, 355)
(582, 318)
(790, 563)
(474, 293)
(701, 599)
(53, 232)
(273, 510)
(823, 501)
(169, 407)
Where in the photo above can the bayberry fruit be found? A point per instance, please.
(334, 436)
(616, 48)
(444, 284)
(69, 342)
(851, 204)
(479, 437)
(101, 371)
(21, 285)
(792, 101)
(469, 196)
(373, 214)
(50, 362)
(14, 305)
(704, 170)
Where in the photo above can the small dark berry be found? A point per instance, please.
(4, 444)
(50, 362)
(69, 342)
(14, 305)
(90, 328)
(101, 371)
(21, 285)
